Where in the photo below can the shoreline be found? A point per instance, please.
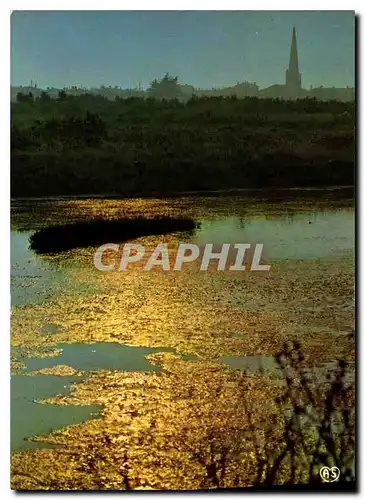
(192, 193)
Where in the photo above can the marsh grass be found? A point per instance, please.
(89, 145)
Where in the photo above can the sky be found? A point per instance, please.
(203, 48)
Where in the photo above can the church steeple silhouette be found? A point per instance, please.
(293, 80)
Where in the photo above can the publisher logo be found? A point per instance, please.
(329, 475)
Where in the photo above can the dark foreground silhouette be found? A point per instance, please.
(89, 233)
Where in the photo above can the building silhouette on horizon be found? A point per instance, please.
(292, 89)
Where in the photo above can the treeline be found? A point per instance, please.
(89, 144)
(29, 108)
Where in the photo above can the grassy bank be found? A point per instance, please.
(88, 144)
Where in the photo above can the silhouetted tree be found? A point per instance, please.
(166, 88)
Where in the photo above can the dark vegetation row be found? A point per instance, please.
(89, 144)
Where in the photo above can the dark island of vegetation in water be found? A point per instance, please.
(87, 144)
(98, 232)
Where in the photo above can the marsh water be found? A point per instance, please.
(112, 321)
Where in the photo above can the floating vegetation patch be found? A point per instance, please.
(82, 234)
(58, 370)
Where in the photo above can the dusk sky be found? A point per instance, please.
(203, 48)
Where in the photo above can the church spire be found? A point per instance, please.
(293, 77)
(293, 62)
